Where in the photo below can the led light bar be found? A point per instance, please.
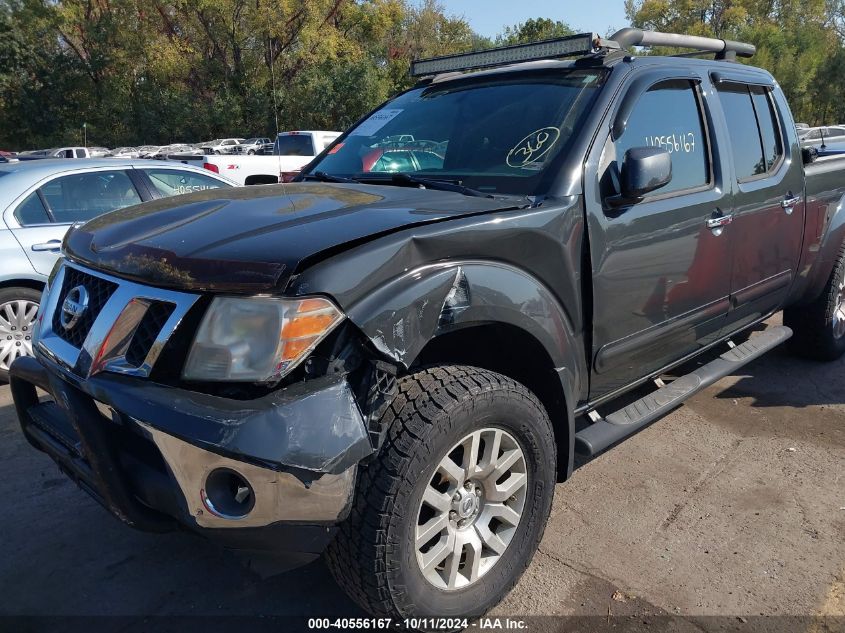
(582, 44)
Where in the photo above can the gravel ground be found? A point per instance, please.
(731, 507)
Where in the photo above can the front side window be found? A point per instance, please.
(81, 197)
(668, 116)
(495, 133)
(172, 182)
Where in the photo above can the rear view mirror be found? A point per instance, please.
(645, 169)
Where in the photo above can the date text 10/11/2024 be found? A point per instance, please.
(415, 624)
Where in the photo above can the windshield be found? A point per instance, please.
(491, 134)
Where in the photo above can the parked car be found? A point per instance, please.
(221, 146)
(387, 367)
(148, 151)
(40, 200)
(251, 146)
(291, 151)
(67, 152)
(124, 152)
(176, 150)
(832, 137)
(98, 152)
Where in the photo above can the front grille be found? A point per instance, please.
(133, 321)
(99, 290)
(147, 332)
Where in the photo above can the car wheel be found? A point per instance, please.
(447, 517)
(251, 152)
(217, 151)
(819, 327)
(18, 309)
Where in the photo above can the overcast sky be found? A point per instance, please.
(488, 17)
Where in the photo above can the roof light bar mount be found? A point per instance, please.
(724, 49)
(581, 45)
(573, 45)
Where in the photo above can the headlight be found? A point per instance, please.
(258, 339)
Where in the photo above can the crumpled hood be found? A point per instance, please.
(252, 239)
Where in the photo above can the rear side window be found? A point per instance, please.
(769, 126)
(32, 211)
(82, 197)
(668, 116)
(753, 128)
(173, 182)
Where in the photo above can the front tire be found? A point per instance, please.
(18, 308)
(447, 517)
(819, 327)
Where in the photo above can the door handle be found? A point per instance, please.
(721, 221)
(52, 245)
(790, 203)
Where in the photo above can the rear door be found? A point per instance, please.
(661, 276)
(40, 221)
(768, 199)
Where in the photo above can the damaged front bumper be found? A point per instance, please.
(274, 473)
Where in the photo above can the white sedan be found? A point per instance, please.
(41, 199)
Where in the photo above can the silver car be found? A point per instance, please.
(41, 199)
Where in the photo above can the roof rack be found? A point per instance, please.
(724, 49)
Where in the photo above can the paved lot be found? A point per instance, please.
(732, 505)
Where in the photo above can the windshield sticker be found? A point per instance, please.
(533, 147)
(376, 122)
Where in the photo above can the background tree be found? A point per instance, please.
(798, 41)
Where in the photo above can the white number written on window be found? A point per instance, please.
(672, 143)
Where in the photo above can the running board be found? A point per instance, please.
(604, 432)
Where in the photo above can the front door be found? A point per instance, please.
(768, 207)
(661, 272)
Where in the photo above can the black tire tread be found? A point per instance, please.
(811, 324)
(356, 565)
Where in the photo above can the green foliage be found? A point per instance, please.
(161, 71)
(533, 30)
(798, 41)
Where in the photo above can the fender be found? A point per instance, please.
(823, 236)
(401, 317)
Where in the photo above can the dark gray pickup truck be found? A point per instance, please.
(395, 359)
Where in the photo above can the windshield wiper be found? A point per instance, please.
(322, 176)
(438, 185)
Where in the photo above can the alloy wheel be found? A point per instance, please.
(838, 320)
(16, 320)
(470, 509)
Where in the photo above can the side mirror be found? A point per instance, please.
(645, 169)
